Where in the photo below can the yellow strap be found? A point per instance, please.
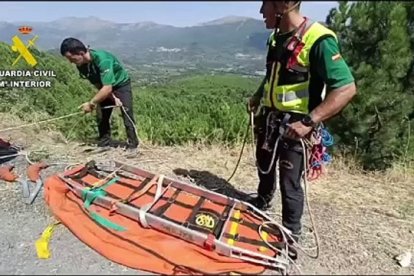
(233, 228)
(42, 244)
(264, 237)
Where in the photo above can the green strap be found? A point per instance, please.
(89, 195)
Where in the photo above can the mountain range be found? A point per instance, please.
(233, 44)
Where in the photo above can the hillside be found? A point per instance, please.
(233, 44)
(66, 93)
(360, 232)
(210, 108)
(192, 124)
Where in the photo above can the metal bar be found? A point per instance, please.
(25, 188)
(198, 191)
(33, 195)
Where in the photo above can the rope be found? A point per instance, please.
(305, 180)
(24, 153)
(240, 155)
(133, 124)
(251, 126)
(73, 114)
(285, 252)
(41, 122)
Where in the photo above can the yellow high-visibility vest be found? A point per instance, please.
(294, 97)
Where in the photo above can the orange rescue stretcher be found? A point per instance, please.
(120, 198)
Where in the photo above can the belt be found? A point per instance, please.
(293, 116)
(122, 84)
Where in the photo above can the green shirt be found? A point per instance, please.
(105, 69)
(326, 67)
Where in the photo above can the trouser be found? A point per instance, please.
(289, 153)
(124, 94)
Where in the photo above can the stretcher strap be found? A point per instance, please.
(161, 210)
(142, 188)
(89, 195)
(142, 211)
(222, 219)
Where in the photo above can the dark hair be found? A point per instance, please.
(72, 45)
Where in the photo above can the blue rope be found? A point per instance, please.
(316, 164)
(326, 158)
(327, 138)
(326, 141)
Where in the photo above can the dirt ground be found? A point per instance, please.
(363, 221)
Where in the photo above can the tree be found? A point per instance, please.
(375, 40)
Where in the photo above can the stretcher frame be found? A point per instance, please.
(279, 261)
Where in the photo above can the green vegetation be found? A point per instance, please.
(374, 130)
(195, 109)
(35, 104)
(377, 42)
(203, 108)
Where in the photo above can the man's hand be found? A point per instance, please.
(87, 107)
(253, 104)
(297, 130)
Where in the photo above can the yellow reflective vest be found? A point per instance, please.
(293, 97)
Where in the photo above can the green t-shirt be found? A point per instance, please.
(326, 66)
(105, 69)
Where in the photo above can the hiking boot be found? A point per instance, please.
(130, 150)
(107, 141)
(260, 203)
(104, 142)
(118, 144)
(292, 251)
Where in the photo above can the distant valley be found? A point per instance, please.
(231, 44)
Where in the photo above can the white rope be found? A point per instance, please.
(286, 233)
(252, 134)
(284, 240)
(41, 122)
(25, 153)
(133, 124)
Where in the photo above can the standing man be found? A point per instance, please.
(303, 57)
(106, 72)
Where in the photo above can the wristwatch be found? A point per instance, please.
(307, 121)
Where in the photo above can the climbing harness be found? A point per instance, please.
(315, 158)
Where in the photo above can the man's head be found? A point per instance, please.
(75, 51)
(272, 9)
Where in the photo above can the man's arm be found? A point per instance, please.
(340, 84)
(336, 100)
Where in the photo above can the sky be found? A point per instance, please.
(175, 13)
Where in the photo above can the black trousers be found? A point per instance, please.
(289, 153)
(124, 94)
